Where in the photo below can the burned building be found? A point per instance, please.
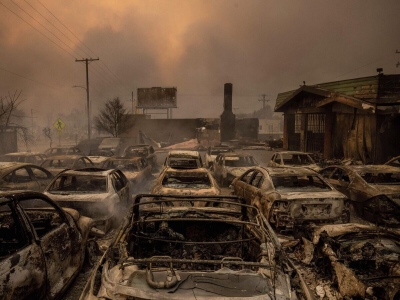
(356, 118)
(227, 125)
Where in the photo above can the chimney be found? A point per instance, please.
(227, 126)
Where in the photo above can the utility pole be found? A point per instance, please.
(87, 61)
(264, 100)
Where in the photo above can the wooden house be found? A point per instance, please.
(356, 118)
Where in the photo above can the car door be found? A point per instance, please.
(22, 263)
(19, 179)
(121, 186)
(41, 176)
(59, 239)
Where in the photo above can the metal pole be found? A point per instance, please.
(87, 61)
(87, 95)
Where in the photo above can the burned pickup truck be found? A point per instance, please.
(42, 247)
(220, 250)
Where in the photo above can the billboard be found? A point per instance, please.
(156, 97)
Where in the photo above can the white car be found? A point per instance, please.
(212, 153)
(186, 182)
(228, 166)
(183, 159)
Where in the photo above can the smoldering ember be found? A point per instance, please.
(199, 150)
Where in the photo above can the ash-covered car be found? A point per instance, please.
(183, 159)
(212, 152)
(293, 159)
(42, 247)
(361, 261)
(142, 150)
(289, 197)
(27, 157)
(136, 169)
(186, 182)
(374, 190)
(63, 150)
(23, 176)
(221, 251)
(228, 166)
(56, 164)
(100, 194)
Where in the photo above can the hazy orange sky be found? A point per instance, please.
(262, 47)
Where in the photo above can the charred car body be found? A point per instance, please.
(96, 193)
(212, 152)
(42, 247)
(56, 164)
(142, 150)
(292, 159)
(63, 150)
(23, 176)
(292, 196)
(374, 190)
(183, 159)
(223, 250)
(136, 169)
(186, 182)
(228, 166)
(27, 157)
(362, 261)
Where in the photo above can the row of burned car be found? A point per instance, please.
(344, 219)
(180, 242)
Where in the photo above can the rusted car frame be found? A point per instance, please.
(374, 190)
(186, 182)
(42, 247)
(97, 193)
(223, 249)
(290, 197)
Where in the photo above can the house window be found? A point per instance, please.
(297, 123)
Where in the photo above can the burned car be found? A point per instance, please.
(183, 159)
(374, 190)
(100, 194)
(136, 169)
(63, 150)
(23, 176)
(212, 152)
(56, 164)
(144, 151)
(292, 159)
(362, 261)
(289, 197)
(228, 166)
(220, 251)
(42, 247)
(27, 157)
(186, 182)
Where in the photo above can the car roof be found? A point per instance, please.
(23, 153)
(234, 154)
(194, 170)
(5, 166)
(183, 153)
(65, 156)
(88, 172)
(135, 158)
(289, 171)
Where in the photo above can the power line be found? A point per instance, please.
(27, 78)
(38, 30)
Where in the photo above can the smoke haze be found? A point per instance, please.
(262, 47)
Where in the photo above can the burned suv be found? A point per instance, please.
(222, 249)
